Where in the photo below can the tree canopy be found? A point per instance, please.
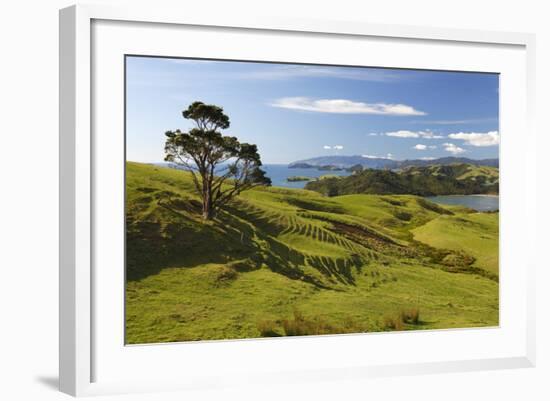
(221, 166)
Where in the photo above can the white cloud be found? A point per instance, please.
(427, 158)
(420, 147)
(338, 147)
(452, 148)
(403, 134)
(327, 147)
(388, 156)
(373, 134)
(414, 134)
(345, 106)
(286, 72)
(490, 138)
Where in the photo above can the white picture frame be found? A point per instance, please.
(80, 348)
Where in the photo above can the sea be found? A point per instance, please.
(280, 172)
(481, 203)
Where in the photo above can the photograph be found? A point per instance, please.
(268, 199)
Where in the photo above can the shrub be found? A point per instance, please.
(268, 328)
(332, 191)
(457, 259)
(225, 274)
(406, 316)
(405, 216)
(300, 326)
(351, 326)
(393, 323)
(410, 316)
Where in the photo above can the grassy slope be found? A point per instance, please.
(462, 171)
(350, 262)
(475, 234)
(492, 173)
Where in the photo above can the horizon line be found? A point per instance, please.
(367, 158)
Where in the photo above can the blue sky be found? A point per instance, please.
(294, 112)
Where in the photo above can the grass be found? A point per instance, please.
(475, 234)
(473, 172)
(291, 262)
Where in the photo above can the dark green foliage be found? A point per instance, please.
(329, 168)
(203, 150)
(332, 189)
(405, 216)
(357, 168)
(423, 181)
(297, 178)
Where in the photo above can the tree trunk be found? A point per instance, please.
(208, 214)
(207, 209)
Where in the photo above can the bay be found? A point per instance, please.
(280, 172)
(481, 203)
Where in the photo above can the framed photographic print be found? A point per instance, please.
(355, 197)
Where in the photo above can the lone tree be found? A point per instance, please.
(221, 166)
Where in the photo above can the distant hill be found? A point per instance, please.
(345, 162)
(450, 160)
(381, 163)
(450, 179)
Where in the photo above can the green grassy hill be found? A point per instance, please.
(460, 171)
(292, 262)
(451, 179)
(476, 234)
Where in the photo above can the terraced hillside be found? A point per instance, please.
(293, 262)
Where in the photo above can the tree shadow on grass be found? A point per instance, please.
(283, 259)
(173, 236)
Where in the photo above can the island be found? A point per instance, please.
(297, 178)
